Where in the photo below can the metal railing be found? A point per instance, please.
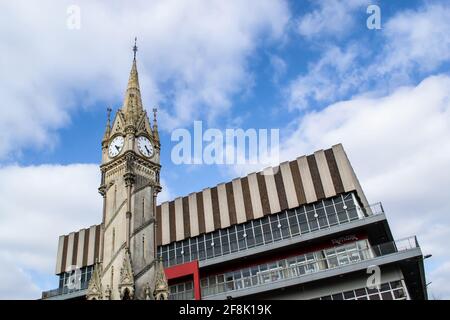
(313, 266)
(64, 290)
(207, 251)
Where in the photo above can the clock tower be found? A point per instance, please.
(127, 267)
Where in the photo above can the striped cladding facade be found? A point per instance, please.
(307, 179)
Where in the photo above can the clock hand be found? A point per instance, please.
(117, 147)
(147, 149)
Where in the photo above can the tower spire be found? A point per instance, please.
(132, 104)
(155, 126)
(108, 124)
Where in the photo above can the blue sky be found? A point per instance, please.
(312, 69)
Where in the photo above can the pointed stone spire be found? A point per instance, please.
(155, 126)
(94, 291)
(161, 291)
(126, 284)
(132, 105)
(108, 126)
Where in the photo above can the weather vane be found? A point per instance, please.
(135, 48)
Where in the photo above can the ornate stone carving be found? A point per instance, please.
(147, 292)
(107, 295)
(161, 291)
(126, 284)
(94, 291)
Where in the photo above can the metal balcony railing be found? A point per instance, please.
(64, 290)
(290, 271)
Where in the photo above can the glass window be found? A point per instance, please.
(386, 295)
(225, 243)
(342, 214)
(250, 237)
(241, 238)
(349, 294)
(209, 243)
(293, 223)
(338, 296)
(360, 292)
(267, 232)
(201, 248)
(321, 217)
(313, 224)
(233, 241)
(304, 228)
(284, 227)
(331, 215)
(276, 232)
(194, 252)
(217, 247)
(399, 294)
(396, 284)
(179, 256)
(258, 233)
(229, 284)
(384, 287)
(171, 257)
(375, 296)
(186, 251)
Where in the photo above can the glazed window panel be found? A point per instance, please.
(240, 236)
(275, 225)
(313, 224)
(233, 241)
(267, 232)
(225, 243)
(293, 223)
(250, 238)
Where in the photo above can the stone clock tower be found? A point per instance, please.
(128, 268)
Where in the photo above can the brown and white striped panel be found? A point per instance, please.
(326, 173)
(78, 249)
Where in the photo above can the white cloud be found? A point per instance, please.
(40, 203)
(417, 39)
(411, 42)
(15, 283)
(192, 60)
(331, 18)
(330, 77)
(400, 148)
(439, 285)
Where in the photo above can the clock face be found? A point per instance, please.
(145, 146)
(116, 146)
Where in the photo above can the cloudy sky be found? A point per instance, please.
(312, 69)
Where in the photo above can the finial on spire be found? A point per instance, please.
(155, 126)
(155, 110)
(108, 125)
(108, 110)
(135, 48)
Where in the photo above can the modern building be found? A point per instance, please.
(301, 230)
